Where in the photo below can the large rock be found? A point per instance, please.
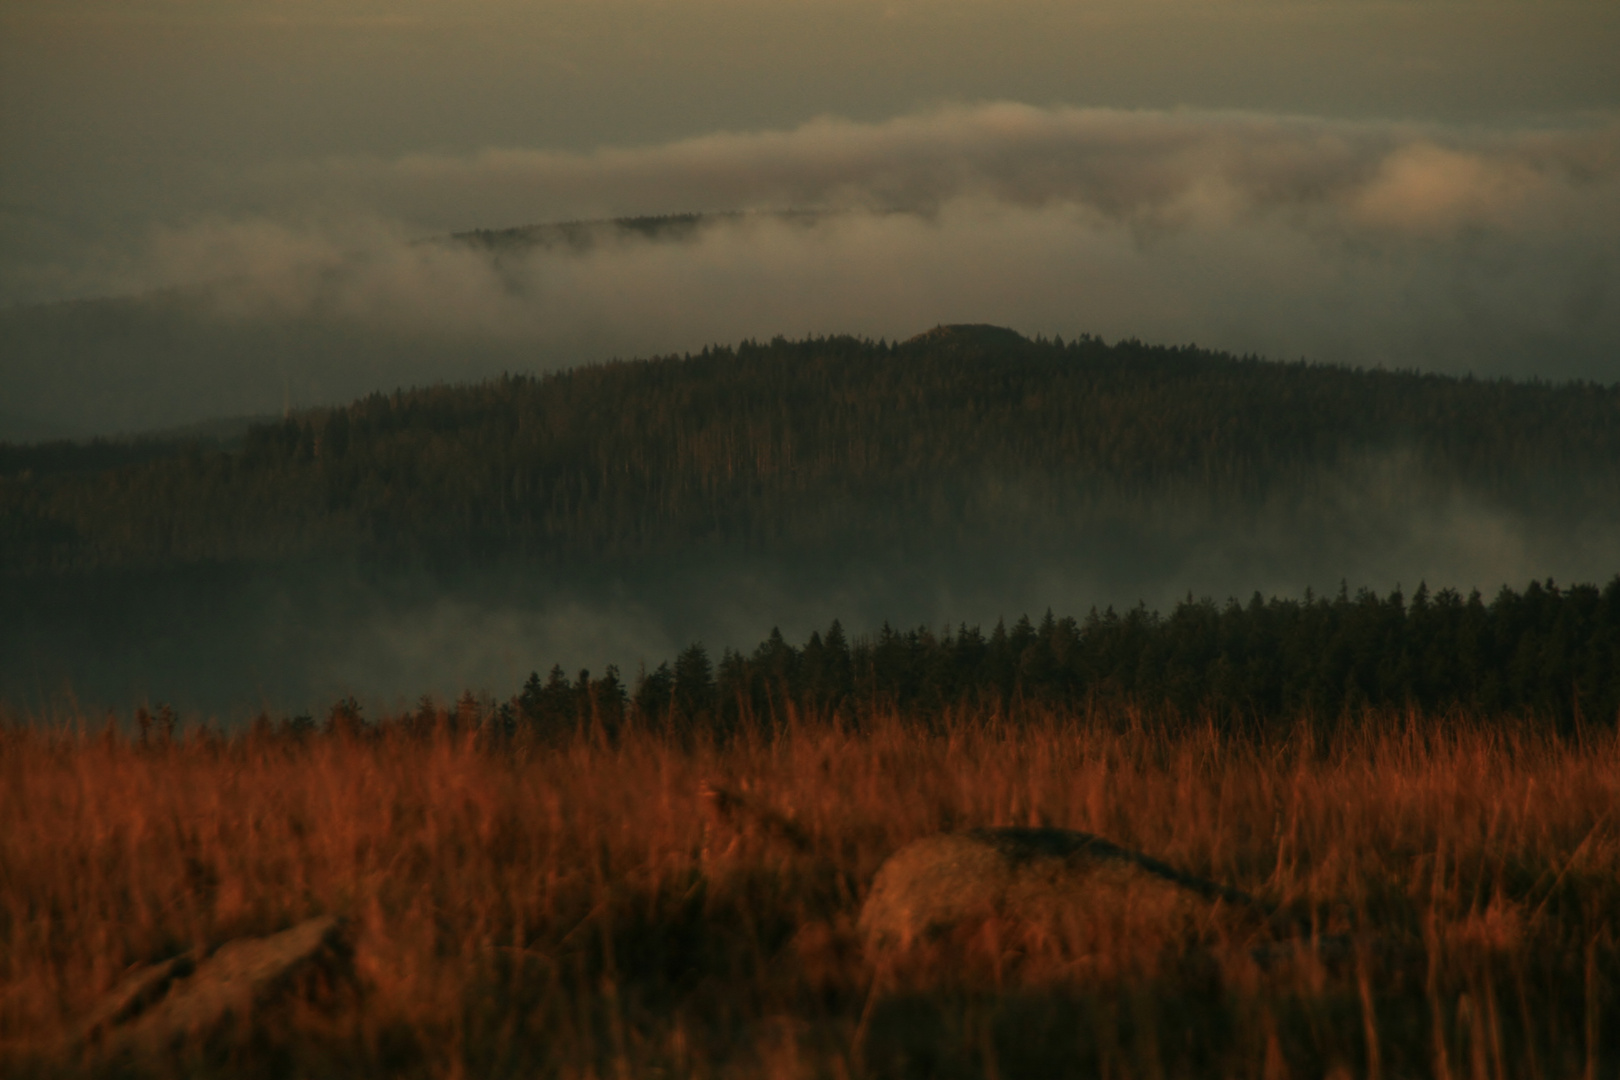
(1032, 876)
(134, 993)
(188, 996)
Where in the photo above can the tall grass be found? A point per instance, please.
(570, 910)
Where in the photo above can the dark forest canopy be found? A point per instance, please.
(802, 445)
(1548, 653)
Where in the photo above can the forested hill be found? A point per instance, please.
(964, 435)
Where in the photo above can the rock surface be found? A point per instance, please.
(134, 993)
(942, 881)
(163, 1003)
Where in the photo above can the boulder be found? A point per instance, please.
(134, 993)
(162, 1004)
(1026, 875)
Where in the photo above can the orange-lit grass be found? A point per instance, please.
(565, 910)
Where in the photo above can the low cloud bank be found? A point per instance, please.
(1495, 252)
(1150, 169)
(1485, 250)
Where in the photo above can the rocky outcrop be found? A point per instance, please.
(195, 995)
(939, 882)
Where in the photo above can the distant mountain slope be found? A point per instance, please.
(583, 235)
(122, 366)
(948, 439)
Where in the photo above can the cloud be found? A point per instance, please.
(1492, 251)
(1495, 252)
(1139, 166)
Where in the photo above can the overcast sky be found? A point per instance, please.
(1366, 160)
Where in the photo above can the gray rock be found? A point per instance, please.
(164, 1003)
(133, 994)
(942, 881)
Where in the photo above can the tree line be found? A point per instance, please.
(1547, 652)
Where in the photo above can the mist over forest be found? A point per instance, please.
(461, 536)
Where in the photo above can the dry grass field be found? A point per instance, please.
(1445, 896)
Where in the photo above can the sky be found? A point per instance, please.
(1418, 183)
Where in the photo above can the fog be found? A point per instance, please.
(1454, 250)
(226, 642)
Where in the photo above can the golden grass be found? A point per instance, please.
(570, 911)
